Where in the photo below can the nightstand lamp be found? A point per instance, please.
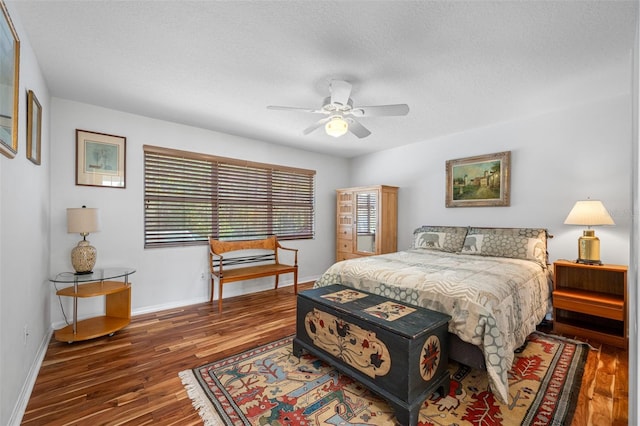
(589, 213)
(83, 221)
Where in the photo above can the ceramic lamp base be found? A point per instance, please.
(83, 257)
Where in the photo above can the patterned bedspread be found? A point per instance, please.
(495, 302)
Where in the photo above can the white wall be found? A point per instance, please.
(634, 312)
(166, 277)
(24, 248)
(556, 158)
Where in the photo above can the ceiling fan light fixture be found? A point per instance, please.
(336, 127)
(339, 105)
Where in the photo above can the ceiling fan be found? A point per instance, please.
(341, 114)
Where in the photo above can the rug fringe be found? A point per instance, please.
(199, 400)
(568, 339)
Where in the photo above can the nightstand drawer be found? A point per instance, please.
(590, 303)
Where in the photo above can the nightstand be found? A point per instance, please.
(591, 301)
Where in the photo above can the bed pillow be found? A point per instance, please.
(517, 243)
(443, 238)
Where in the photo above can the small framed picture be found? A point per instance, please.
(481, 181)
(100, 159)
(34, 131)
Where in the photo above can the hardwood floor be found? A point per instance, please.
(132, 378)
(604, 391)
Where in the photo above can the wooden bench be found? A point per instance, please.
(261, 262)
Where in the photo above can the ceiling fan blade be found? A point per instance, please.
(340, 91)
(288, 108)
(380, 110)
(357, 129)
(315, 125)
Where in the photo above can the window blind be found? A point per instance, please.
(190, 196)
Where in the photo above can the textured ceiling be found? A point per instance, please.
(218, 64)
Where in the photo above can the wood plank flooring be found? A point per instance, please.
(132, 378)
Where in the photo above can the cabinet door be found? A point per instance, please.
(367, 213)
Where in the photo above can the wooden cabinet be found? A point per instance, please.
(591, 301)
(367, 221)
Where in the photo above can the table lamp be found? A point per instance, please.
(83, 221)
(590, 213)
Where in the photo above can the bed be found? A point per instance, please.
(494, 282)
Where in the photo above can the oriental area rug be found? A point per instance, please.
(268, 385)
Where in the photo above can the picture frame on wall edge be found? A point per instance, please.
(100, 159)
(10, 71)
(34, 128)
(480, 181)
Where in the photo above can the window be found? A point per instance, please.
(189, 197)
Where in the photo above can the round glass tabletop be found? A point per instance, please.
(99, 274)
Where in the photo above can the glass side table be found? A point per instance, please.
(113, 283)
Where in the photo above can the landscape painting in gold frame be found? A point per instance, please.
(481, 181)
(34, 128)
(10, 72)
(100, 159)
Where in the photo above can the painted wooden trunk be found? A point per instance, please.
(397, 350)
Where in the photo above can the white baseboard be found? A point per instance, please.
(29, 383)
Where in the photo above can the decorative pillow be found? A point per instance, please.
(443, 238)
(518, 243)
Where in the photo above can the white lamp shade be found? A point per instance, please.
(82, 220)
(336, 127)
(589, 213)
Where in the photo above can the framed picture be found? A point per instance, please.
(100, 159)
(10, 71)
(481, 181)
(34, 125)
